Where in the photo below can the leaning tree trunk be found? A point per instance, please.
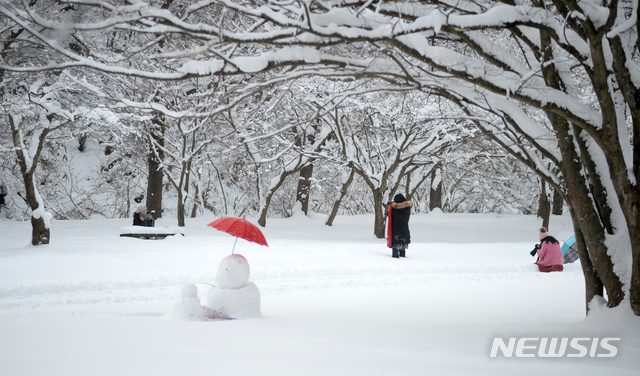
(343, 192)
(593, 284)
(262, 221)
(591, 223)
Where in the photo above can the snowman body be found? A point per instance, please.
(233, 294)
(188, 306)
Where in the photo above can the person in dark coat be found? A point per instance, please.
(142, 218)
(398, 234)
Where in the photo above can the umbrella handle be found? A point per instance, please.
(234, 245)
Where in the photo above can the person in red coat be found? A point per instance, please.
(549, 253)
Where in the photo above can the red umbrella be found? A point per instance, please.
(240, 228)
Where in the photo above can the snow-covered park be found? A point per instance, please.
(332, 301)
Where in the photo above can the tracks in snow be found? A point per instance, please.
(70, 295)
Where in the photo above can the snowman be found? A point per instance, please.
(233, 294)
(188, 306)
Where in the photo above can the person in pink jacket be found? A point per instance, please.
(549, 253)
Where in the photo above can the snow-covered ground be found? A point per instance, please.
(333, 301)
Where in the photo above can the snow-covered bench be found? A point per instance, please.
(153, 233)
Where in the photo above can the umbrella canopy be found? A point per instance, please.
(240, 228)
(568, 244)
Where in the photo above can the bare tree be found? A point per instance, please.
(40, 219)
(384, 149)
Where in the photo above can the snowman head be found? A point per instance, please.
(233, 272)
(189, 290)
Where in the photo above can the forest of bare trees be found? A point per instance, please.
(250, 106)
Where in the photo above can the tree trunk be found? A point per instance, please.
(628, 193)
(262, 221)
(379, 213)
(558, 203)
(593, 284)
(343, 192)
(435, 195)
(634, 290)
(544, 206)
(194, 209)
(584, 216)
(156, 173)
(304, 187)
(180, 208)
(154, 187)
(582, 195)
(40, 233)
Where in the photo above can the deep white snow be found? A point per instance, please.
(333, 301)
